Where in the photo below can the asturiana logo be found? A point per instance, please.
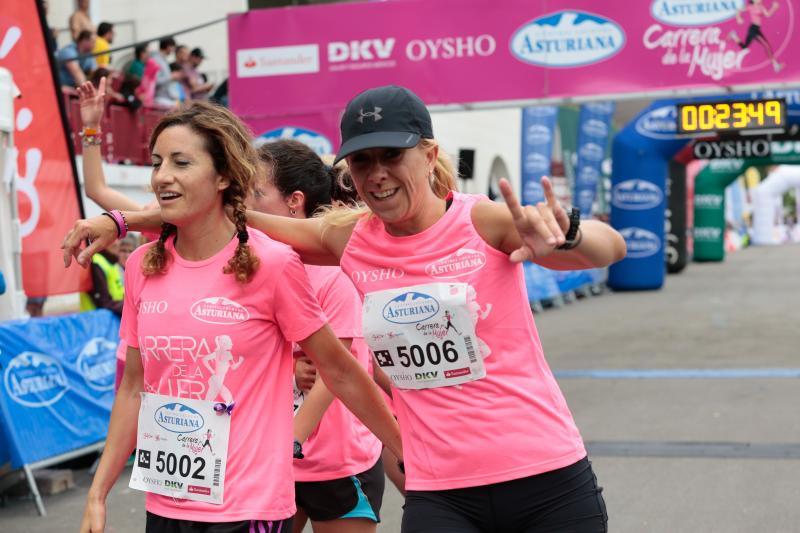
(591, 152)
(536, 163)
(97, 363)
(35, 379)
(659, 123)
(595, 128)
(178, 418)
(538, 134)
(459, 263)
(695, 12)
(410, 307)
(314, 140)
(641, 242)
(219, 310)
(636, 195)
(567, 39)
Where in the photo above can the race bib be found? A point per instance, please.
(181, 448)
(423, 336)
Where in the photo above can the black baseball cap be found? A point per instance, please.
(197, 52)
(384, 117)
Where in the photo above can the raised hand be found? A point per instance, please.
(540, 227)
(100, 230)
(92, 102)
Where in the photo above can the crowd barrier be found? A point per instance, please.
(57, 389)
(555, 286)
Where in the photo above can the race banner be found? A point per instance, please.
(594, 128)
(45, 177)
(295, 61)
(538, 130)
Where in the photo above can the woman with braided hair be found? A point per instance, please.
(209, 279)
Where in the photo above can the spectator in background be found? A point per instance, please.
(166, 47)
(126, 248)
(100, 73)
(108, 289)
(146, 91)
(73, 70)
(105, 36)
(140, 57)
(198, 87)
(177, 93)
(34, 305)
(79, 21)
(182, 54)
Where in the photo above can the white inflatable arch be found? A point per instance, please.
(768, 203)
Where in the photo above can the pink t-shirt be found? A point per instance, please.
(184, 321)
(341, 445)
(512, 423)
(755, 11)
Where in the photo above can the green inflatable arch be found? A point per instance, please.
(709, 196)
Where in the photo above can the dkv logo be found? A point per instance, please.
(178, 418)
(695, 12)
(314, 140)
(641, 243)
(410, 307)
(636, 195)
(35, 380)
(97, 363)
(219, 310)
(567, 39)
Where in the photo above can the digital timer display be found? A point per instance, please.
(731, 116)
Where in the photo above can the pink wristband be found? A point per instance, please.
(122, 225)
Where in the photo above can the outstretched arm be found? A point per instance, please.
(315, 243)
(102, 232)
(349, 382)
(310, 414)
(92, 103)
(533, 233)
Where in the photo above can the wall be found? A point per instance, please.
(491, 133)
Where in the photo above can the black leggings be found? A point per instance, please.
(566, 500)
(160, 524)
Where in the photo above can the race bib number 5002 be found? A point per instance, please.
(423, 336)
(181, 448)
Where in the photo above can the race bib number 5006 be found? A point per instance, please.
(423, 336)
(181, 448)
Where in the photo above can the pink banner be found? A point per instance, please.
(303, 61)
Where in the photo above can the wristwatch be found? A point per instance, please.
(298, 450)
(573, 236)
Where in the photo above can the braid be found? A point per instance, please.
(157, 258)
(244, 262)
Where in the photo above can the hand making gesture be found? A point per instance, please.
(92, 103)
(541, 227)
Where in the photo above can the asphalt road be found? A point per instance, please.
(687, 398)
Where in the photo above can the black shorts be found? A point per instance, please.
(358, 496)
(159, 524)
(566, 500)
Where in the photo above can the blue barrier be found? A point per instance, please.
(58, 384)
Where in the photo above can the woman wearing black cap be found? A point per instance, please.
(489, 443)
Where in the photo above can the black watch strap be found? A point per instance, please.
(572, 232)
(298, 450)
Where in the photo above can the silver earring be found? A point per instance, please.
(292, 212)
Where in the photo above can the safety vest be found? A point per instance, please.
(116, 288)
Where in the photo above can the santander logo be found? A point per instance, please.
(459, 263)
(219, 310)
